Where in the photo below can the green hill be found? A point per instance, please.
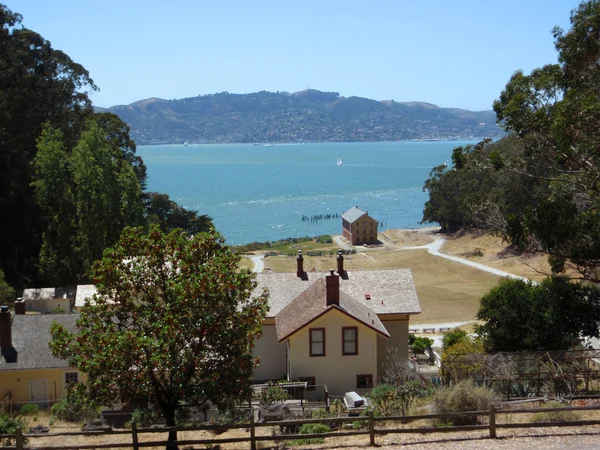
(305, 116)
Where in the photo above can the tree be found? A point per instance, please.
(87, 196)
(161, 210)
(173, 322)
(554, 315)
(37, 84)
(554, 112)
(7, 293)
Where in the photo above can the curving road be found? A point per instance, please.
(259, 262)
(435, 247)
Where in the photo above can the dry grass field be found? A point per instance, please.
(538, 438)
(448, 291)
(492, 251)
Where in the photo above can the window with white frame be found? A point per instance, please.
(71, 378)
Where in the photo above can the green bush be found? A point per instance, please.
(324, 239)
(454, 337)
(75, 406)
(9, 425)
(143, 418)
(391, 400)
(555, 416)
(420, 344)
(462, 396)
(30, 409)
(310, 428)
(273, 394)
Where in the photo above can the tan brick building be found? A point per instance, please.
(358, 227)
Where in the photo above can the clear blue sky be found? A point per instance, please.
(457, 53)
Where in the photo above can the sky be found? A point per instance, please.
(458, 53)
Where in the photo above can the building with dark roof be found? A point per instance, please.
(339, 329)
(28, 371)
(358, 227)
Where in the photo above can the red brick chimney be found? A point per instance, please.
(20, 306)
(332, 282)
(300, 265)
(340, 264)
(5, 331)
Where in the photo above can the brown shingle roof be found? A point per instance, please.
(312, 304)
(392, 291)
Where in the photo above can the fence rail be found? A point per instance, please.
(491, 414)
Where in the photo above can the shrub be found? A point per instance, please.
(420, 344)
(392, 400)
(325, 239)
(30, 409)
(555, 416)
(143, 418)
(462, 396)
(75, 406)
(9, 425)
(310, 428)
(454, 337)
(273, 394)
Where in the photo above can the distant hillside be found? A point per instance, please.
(309, 116)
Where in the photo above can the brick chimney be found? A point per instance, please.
(20, 306)
(300, 266)
(5, 331)
(332, 282)
(340, 264)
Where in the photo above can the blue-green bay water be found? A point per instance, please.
(259, 193)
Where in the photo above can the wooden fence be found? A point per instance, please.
(492, 426)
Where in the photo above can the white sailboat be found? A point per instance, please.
(339, 161)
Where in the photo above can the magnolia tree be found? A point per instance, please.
(173, 321)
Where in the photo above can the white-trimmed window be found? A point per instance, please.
(349, 340)
(317, 341)
(71, 378)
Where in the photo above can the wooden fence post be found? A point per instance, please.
(19, 438)
(371, 429)
(252, 432)
(492, 421)
(134, 436)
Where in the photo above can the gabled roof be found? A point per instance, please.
(30, 338)
(312, 304)
(353, 214)
(392, 291)
(48, 293)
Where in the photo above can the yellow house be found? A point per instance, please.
(49, 299)
(28, 371)
(339, 329)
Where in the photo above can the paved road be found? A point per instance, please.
(342, 243)
(259, 262)
(435, 247)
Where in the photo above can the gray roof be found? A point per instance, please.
(84, 291)
(353, 214)
(392, 291)
(48, 293)
(30, 337)
(312, 304)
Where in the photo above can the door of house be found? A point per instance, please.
(38, 390)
